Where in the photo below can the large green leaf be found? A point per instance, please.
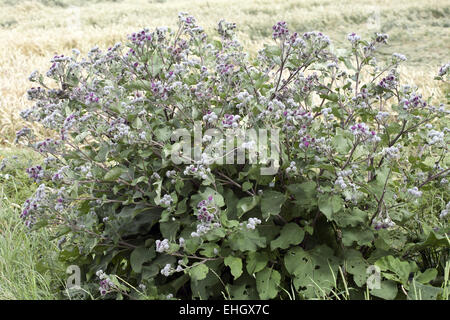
(312, 269)
(351, 218)
(271, 203)
(418, 291)
(356, 265)
(304, 193)
(330, 205)
(267, 283)
(235, 265)
(256, 261)
(139, 256)
(248, 240)
(198, 272)
(362, 236)
(388, 290)
(427, 276)
(291, 234)
(246, 204)
(341, 142)
(432, 241)
(396, 269)
(114, 173)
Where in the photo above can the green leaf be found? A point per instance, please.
(169, 229)
(427, 276)
(341, 142)
(351, 218)
(291, 234)
(357, 266)
(396, 269)
(149, 272)
(139, 256)
(243, 289)
(362, 236)
(246, 204)
(304, 193)
(137, 123)
(102, 153)
(332, 97)
(79, 138)
(420, 291)
(138, 180)
(330, 205)
(199, 272)
(305, 189)
(267, 283)
(388, 290)
(156, 64)
(433, 240)
(163, 134)
(114, 173)
(246, 186)
(256, 261)
(208, 249)
(246, 241)
(313, 269)
(235, 265)
(271, 203)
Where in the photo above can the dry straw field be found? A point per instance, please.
(31, 32)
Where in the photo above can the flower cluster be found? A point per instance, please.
(252, 223)
(199, 171)
(292, 169)
(48, 145)
(399, 57)
(389, 82)
(353, 37)
(210, 117)
(445, 212)
(22, 133)
(207, 217)
(33, 205)
(206, 210)
(166, 200)
(413, 101)
(435, 137)
(36, 173)
(443, 70)
(105, 282)
(391, 153)
(280, 30)
(231, 121)
(141, 38)
(383, 223)
(362, 131)
(162, 246)
(415, 192)
(167, 270)
(340, 179)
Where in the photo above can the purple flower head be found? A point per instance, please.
(280, 30)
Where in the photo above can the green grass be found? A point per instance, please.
(25, 257)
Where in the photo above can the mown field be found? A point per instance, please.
(31, 32)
